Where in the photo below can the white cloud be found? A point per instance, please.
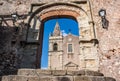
(44, 68)
(64, 33)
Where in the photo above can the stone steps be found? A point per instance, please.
(57, 72)
(55, 75)
(55, 78)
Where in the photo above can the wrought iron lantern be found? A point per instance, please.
(102, 13)
(15, 17)
(105, 22)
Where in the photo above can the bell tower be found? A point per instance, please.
(55, 53)
(56, 30)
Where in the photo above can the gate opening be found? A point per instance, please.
(66, 26)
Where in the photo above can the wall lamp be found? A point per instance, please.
(105, 22)
(15, 17)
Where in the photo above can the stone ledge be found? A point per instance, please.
(59, 72)
(93, 73)
(72, 73)
(27, 72)
(35, 72)
(84, 72)
(43, 72)
(109, 79)
(55, 78)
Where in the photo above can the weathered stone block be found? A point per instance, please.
(82, 78)
(43, 72)
(31, 78)
(4, 78)
(93, 73)
(84, 72)
(27, 72)
(45, 79)
(109, 79)
(17, 78)
(63, 78)
(59, 72)
(70, 72)
(97, 78)
(80, 72)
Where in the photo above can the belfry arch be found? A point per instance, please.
(80, 12)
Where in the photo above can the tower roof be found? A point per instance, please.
(56, 31)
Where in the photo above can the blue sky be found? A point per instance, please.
(66, 26)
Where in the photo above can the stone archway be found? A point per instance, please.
(81, 13)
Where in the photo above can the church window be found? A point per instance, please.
(55, 47)
(70, 49)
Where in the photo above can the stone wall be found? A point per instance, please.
(8, 53)
(109, 40)
(6, 37)
(21, 6)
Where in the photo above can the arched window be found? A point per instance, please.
(55, 47)
(70, 48)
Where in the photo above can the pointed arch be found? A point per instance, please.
(52, 5)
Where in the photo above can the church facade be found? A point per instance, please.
(64, 51)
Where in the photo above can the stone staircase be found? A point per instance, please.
(55, 75)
